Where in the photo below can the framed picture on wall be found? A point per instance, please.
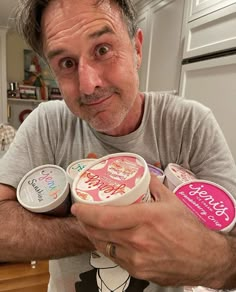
(36, 71)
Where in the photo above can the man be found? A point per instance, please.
(95, 50)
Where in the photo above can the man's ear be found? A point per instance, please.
(138, 46)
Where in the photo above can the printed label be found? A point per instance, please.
(78, 166)
(110, 178)
(182, 174)
(43, 187)
(211, 204)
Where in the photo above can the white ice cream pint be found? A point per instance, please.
(176, 175)
(214, 206)
(45, 189)
(76, 167)
(116, 179)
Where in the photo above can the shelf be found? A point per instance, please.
(26, 100)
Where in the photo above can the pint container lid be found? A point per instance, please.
(43, 188)
(117, 179)
(210, 202)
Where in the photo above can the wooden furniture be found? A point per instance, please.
(24, 277)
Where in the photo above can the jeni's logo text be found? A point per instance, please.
(218, 206)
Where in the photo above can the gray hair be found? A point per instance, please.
(29, 14)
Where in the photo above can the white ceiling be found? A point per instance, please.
(6, 7)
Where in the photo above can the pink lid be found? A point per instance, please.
(210, 202)
(112, 178)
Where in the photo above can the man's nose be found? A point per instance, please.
(89, 78)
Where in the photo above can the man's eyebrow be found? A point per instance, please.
(54, 53)
(102, 31)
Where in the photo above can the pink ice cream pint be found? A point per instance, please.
(211, 203)
(45, 189)
(117, 179)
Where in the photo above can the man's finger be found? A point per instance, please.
(158, 190)
(110, 217)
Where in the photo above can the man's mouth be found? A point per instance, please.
(97, 101)
(98, 97)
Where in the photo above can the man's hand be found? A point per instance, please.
(161, 241)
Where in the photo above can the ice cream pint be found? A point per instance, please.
(210, 202)
(76, 167)
(157, 171)
(116, 179)
(45, 189)
(176, 175)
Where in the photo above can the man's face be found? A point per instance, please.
(95, 62)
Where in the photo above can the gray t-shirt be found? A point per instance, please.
(173, 130)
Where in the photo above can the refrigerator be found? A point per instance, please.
(208, 72)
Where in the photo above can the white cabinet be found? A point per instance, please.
(19, 109)
(3, 76)
(209, 71)
(143, 23)
(161, 22)
(199, 8)
(212, 83)
(211, 33)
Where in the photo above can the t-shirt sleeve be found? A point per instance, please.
(211, 158)
(191, 137)
(32, 146)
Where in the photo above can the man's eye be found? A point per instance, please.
(67, 64)
(102, 50)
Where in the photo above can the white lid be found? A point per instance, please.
(43, 189)
(117, 179)
(177, 175)
(76, 167)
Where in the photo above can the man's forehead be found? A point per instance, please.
(59, 11)
(66, 5)
(81, 18)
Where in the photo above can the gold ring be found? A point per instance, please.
(111, 250)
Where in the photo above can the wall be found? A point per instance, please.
(15, 57)
(161, 22)
(15, 73)
(3, 78)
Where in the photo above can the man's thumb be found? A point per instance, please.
(158, 190)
